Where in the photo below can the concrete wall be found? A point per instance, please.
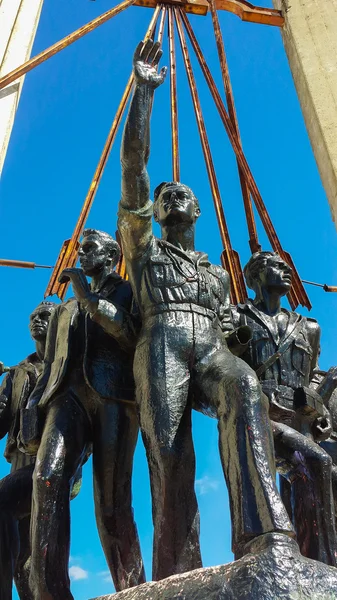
(310, 39)
(18, 24)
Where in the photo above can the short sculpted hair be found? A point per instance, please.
(46, 304)
(108, 241)
(168, 184)
(255, 265)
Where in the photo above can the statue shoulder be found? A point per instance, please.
(312, 327)
(220, 272)
(30, 360)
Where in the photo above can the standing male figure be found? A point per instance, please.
(184, 305)
(16, 488)
(284, 351)
(86, 394)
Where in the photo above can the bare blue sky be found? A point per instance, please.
(64, 115)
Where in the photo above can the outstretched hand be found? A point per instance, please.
(145, 62)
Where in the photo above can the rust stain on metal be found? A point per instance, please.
(298, 293)
(245, 10)
(254, 14)
(196, 7)
(253, 238)
(174, 102)
(237, 294)
(68, 254)
(162, 24)
(64, 43)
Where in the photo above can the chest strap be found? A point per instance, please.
(284, 346)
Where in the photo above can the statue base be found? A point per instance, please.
(274, 570)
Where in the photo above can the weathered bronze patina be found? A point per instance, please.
(184, 306)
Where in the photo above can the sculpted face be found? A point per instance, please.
(276, 275)
(176, 205)
(93, 255)
(39, 321)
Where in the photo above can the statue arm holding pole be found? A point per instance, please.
(135, 210)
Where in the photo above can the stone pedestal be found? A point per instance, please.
(310, 39)
(273, 571)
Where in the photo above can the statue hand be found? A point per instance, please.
(81, 288)
(78, 280)
(145, 62)
(322, 428)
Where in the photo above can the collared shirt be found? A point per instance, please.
(162, 273)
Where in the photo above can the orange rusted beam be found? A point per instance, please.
(245, 10)
(121, 267)
(196, 7)
(162, 24)
(298, 293)
(68, 255)
(174, 101)
(21, 264)
(254, 14)
(238, 291)
(64, 43)
(253, 238)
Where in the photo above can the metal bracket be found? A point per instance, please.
(243, 9)
(254, 14)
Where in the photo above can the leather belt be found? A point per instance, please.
(189, 307)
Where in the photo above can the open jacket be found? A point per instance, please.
(102, 342)
(15, 391)
(296, 367)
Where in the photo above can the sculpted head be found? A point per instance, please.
(98, 251)
(39, 320)
(175, 204)
(267, 271)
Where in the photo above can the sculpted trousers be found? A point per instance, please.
(15, 506)
(66, 437)
(312, 505)
(175, 349)
(330, 446)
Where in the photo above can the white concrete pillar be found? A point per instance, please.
(18, 23)
(310, 39)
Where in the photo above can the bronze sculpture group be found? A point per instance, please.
(123, 355)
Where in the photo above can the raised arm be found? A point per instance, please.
(136, 139)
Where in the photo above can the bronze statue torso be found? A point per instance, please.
(17, 387)
(76, 345)
(294, 368)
